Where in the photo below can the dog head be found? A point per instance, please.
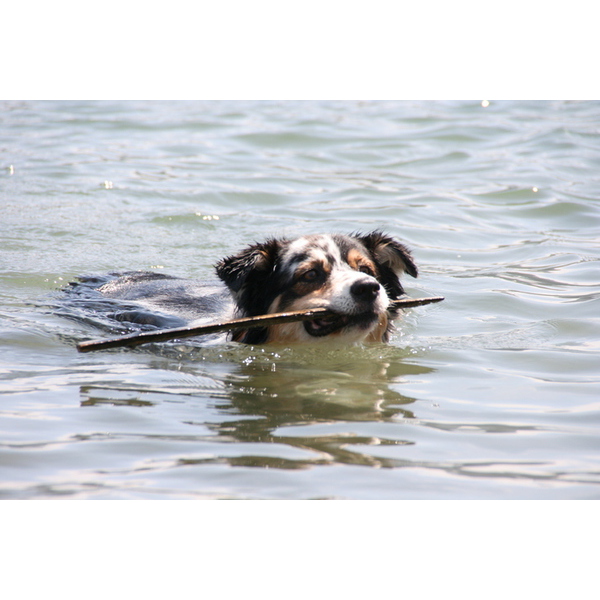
(356, 277)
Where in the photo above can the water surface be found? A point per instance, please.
(494, 393)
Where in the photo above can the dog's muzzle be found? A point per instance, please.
(363, 293)
(330, 324)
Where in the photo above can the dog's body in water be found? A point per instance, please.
(355, 276)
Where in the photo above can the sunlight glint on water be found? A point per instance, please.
(490, 394)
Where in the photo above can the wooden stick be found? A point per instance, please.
(410, 302)
(146, 337)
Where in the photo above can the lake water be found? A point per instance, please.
(492, 394)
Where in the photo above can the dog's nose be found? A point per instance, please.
(365, 290)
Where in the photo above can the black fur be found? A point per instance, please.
(254, 279)
(398, 255)
(250, 276)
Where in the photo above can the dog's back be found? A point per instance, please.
(147, 298)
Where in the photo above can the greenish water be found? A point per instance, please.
(494, 393)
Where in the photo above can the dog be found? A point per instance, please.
(354, 276)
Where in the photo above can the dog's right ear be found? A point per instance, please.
(247, 276)
(249, 268)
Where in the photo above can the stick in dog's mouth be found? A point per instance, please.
(321, 318)
(334, 322)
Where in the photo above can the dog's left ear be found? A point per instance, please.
(389, 253)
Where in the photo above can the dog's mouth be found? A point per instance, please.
(332, 323)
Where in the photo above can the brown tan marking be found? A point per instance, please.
(379, 334)
(303, 287)
(356, 259)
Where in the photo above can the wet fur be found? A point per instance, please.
(356, 276)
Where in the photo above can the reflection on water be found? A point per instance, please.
(281, 398)
(491, 394)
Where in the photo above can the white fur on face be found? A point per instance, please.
(322, 252)
(336, 295)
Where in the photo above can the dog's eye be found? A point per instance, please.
(309, 276)
(366, 269)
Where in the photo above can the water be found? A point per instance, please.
(494, 393)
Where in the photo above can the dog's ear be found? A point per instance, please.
(390, 253)
(392, 259)
(250, 265)
(247, 275)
